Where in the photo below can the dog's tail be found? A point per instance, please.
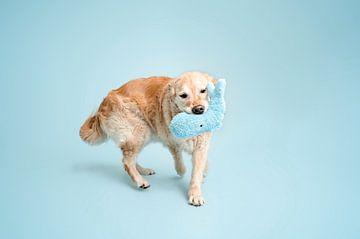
(91, 131)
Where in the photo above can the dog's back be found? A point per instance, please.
(137, 100)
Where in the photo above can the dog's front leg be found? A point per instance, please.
(199, 160)
(179, 164)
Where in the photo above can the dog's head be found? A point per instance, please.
(189, 92)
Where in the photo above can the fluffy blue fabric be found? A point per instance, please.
(185, 125)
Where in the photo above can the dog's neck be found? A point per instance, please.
(167, 108)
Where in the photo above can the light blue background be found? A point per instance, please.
(285, 164)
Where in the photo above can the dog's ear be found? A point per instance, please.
(211, 88)
(211, 85)
(171, 86)
(212, 80)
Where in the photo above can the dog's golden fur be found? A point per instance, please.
(140, 111)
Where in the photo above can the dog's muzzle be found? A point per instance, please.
(198, 110)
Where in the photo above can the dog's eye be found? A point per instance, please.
(203, 91)
(183, 95)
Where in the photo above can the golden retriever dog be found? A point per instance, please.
(140, 111)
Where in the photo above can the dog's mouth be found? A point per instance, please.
(187, 110)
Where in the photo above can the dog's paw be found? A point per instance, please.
(146, 171)
(180, 168)
(195, 197)
(143, 185)
(196, 200)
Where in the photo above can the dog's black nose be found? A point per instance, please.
(199, 109)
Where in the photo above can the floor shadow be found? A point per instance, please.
(112, 172)
(115, 173)
(182, 185)
(172, 183)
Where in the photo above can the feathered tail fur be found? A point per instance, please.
(91, 131)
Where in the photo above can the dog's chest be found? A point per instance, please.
(184, 144)
(187, 146)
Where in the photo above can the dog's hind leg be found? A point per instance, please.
(122, 121)
(130, 152)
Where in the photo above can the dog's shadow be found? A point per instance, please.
(115, 173)
(108, 171)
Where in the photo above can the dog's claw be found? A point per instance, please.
(144, 186)
(196, 201)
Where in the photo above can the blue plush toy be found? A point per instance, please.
(185, 125)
